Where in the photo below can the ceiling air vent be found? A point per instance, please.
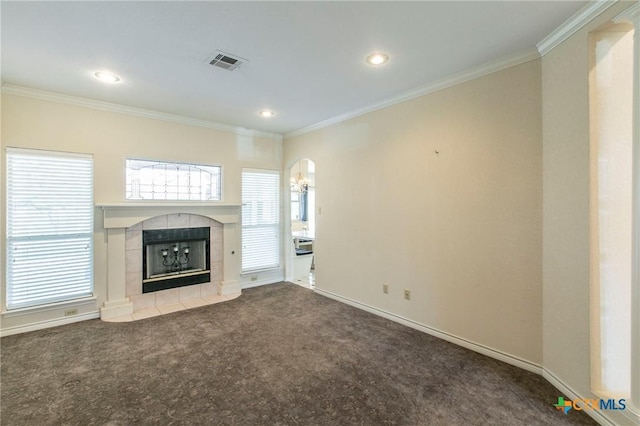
(226, 61)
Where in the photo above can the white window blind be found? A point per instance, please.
(260, 219)
(49, 227)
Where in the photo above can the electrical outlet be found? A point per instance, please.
(70, 312)
(385, 288)
(254, 278)
(407, 294)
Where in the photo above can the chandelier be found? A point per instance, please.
(300, 183)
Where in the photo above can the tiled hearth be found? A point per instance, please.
(175, 299)
(161, 308)
(125, 225)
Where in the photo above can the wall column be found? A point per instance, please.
(116, 304)
(632, 16)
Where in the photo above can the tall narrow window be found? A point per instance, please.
(611, 104)
(260, 219)
(49, 227)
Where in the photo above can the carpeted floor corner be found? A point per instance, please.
(278, 355)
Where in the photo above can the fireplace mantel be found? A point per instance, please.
(118, 217)
(124, 215)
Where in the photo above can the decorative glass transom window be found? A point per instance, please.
(160, 180)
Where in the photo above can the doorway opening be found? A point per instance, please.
(303, 221)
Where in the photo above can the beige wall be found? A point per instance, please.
(111, 137)
(491, 235)
(461, 229)
(566, 212)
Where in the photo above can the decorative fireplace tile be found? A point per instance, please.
(197, 221)
(133, 283)
(133, 240)
(190, 292)
(216, 250)
(210, 289)
(168, 309)
(158, 222)
(179, 220)
(194, 303)
(216, 271)
(143, 301)
(167, 297)
(216, 233)
(133, 261)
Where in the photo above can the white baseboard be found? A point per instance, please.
(564, 389)
(49, 323)
(259, 278)
(259, 283)
(476, 347)
(571, 394)
(596, 415)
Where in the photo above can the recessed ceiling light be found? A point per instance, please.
(266, 113)
(106, 77)
(377, 58)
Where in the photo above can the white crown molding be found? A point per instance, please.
(629, 14)
(138, 112)
(573, 24)
(455, 79)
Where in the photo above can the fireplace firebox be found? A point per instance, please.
(175, 258)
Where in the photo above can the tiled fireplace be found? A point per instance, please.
(208, 234)
(173, 258)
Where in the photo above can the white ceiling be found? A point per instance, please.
(306, 59)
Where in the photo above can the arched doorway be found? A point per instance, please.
(303, 221)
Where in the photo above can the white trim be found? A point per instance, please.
(632, 413)
(116, 308)
(633, 14)
(28, 92)
(162, 204)
(49, 307)
(573, 24)
(569, 27)
(125, 215)
(261, 283)
(263, 277)
(458, 78)
(48, 324)
(628, 15)
(476, 347)
(572, 394)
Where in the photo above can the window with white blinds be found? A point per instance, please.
(49, 227)
(260, 219)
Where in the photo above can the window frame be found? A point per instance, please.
(277, 226)
(86, 284)
(178, 200)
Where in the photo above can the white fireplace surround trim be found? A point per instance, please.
(118, 217)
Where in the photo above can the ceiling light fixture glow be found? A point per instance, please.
(265, 113)
(106, 77)
(377, 58)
